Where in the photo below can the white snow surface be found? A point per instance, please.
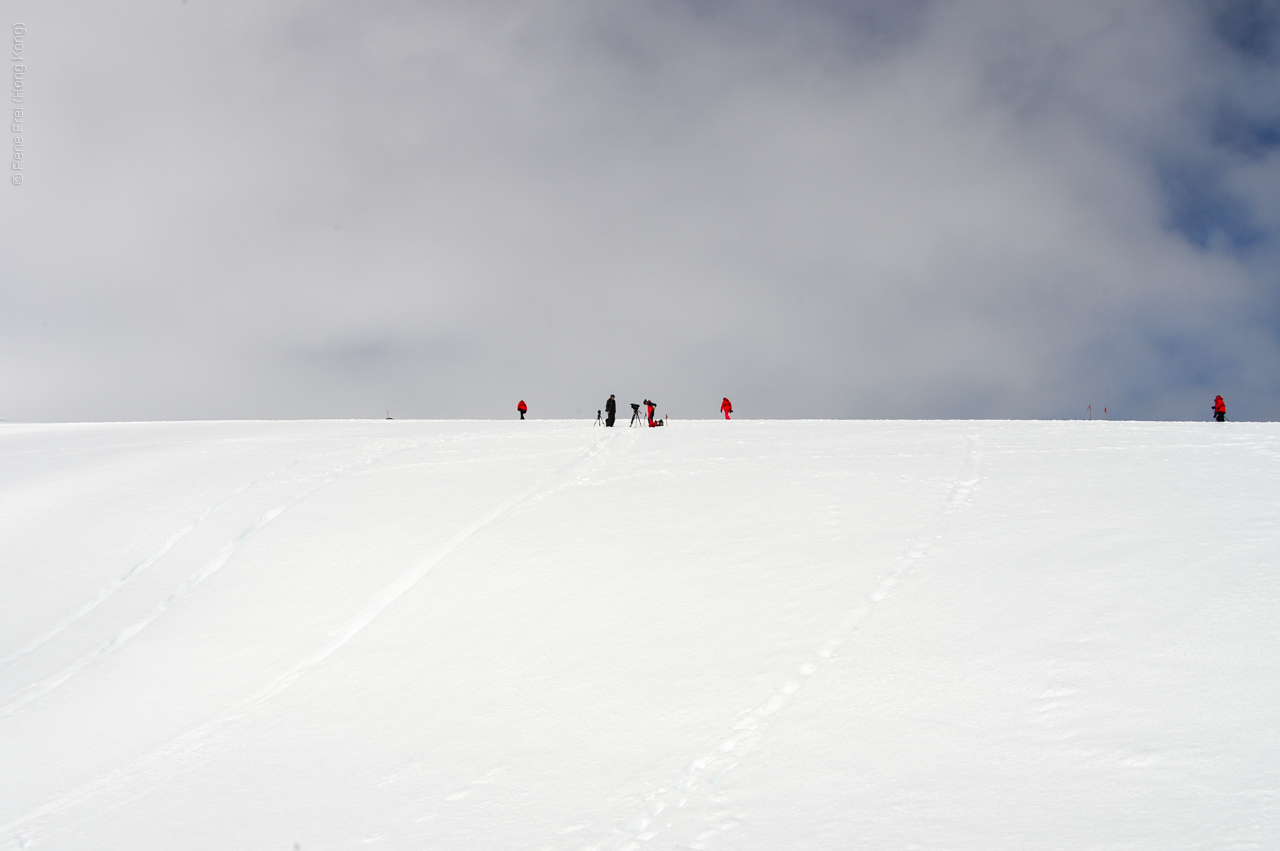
(716, 635)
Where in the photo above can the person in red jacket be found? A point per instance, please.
(522, 407)
(1219, 409)
(726, 407)
(650, 406)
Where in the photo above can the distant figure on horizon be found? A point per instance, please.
(726, 407)
(522, 407)
(1219, 409)
(610, 408)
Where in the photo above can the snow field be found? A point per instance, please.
(439, 635)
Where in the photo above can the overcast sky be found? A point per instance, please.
(827, 209)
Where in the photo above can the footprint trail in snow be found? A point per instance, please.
(696, 787)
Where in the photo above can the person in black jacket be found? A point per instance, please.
(610, 409)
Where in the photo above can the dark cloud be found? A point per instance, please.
(1249, 26)
(829, 209)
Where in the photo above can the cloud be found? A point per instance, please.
(845, 209)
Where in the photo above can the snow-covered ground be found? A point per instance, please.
(721, 635)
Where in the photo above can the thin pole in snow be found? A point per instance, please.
(1091, 413)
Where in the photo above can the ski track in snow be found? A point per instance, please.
(188, 746)
(106, 593)
(700, 777)
(39, 689)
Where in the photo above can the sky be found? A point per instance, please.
(917, 209)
